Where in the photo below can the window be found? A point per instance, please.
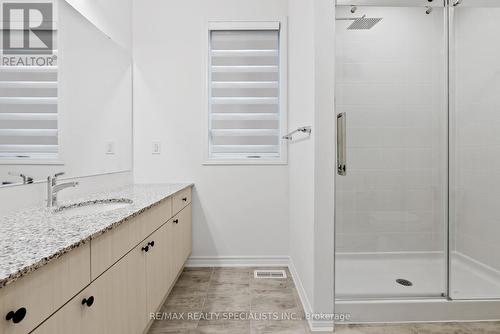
(247, 109)
(28, 109)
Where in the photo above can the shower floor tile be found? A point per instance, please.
(362, 276)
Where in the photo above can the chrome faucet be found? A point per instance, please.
(53, 188)
(26, 179)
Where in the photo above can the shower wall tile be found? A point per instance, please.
(391, 84)
(389, 242)
(384, 72)
(391, 158)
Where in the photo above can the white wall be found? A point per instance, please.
(324, 169)
(237, 210)
(312, 161)
(301, 153)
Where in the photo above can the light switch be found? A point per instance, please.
(156, 147)
(110, 147)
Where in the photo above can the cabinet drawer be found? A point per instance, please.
(155, 217)
(108, 248)
(45, 290)
(181, 199)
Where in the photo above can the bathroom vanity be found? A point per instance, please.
(102, 272)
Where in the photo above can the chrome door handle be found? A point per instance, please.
(341, 145)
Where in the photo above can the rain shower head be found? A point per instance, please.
(364, 23)
(361, 23)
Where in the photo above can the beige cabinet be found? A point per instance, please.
(113, 304)
(33, 298)
(113, 284)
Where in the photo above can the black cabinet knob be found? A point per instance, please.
(16, 316)
(152, 243)
(88, 301)
(184, 199)
(176, 221)
(145, 248)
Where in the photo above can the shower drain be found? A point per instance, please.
(404, 282)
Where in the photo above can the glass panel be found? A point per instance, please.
(475, 182)
(391, 205)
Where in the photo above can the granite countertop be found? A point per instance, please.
(33, 237)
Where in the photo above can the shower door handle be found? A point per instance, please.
(341, 144)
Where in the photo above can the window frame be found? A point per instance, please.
(281, 23)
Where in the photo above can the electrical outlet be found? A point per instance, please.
(110, 147)
(156, 147)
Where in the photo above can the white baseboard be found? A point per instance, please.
(238, 261)
(321, 326)
(301, 292)
(314, 325)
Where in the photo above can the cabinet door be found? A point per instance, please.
(159, 265)
(182, 237)
(85, 313)
(118, 307)
(45, 290)
(126, 285)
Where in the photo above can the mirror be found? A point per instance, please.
(74, 113)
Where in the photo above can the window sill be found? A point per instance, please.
(245, 162)
(42, 162)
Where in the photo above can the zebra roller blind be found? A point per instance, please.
(245, 120)
(28, 111)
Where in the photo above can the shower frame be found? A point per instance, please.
(422, 309)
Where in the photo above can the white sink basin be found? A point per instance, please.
(92, 207)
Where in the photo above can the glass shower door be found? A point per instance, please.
(391, 187)
(475, 150)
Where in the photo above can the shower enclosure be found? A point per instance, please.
(418, 158)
